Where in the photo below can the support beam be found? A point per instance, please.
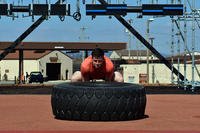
(66, 45)
(21, 67)
(35, 9)
(145, 9)
(145, 42)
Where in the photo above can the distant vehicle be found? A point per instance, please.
(36, 77)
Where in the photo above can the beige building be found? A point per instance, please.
(158, 73)
(132, 54)
(135, 71)
(56, 66)
(53, 64)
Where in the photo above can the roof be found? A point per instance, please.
(28, 55)
(133, 52)
(181, 58)
(65, 45)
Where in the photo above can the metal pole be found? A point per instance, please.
(185, 43)
(178, 49)
(172, 46)
(21, 67)
(193, 41)
(172, 51)
(139, 3)
(179, 54)
(147, 32)
(82, 37)
(129, 42)
(153, 71)
(137, 48)
(93, 1)
(78, 5)
(129, 45)
(148, 52)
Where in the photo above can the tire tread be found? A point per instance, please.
(94, 104)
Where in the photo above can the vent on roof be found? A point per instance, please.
(53, 59)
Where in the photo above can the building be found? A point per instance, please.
(56, 66)
(131, 54)
(53, 64)
(53, 67)
(158, 73)
(135, 69)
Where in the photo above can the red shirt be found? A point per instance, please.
(104, 72)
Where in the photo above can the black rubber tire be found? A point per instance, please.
(98, 101)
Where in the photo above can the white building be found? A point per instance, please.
(159, 73)
(53, 64)
(134, 54)
(136, 71)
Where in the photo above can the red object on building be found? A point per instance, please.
(143, 78)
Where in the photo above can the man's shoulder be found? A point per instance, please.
(108, 61)
(87, 61)
(85, 65)
(109, 64)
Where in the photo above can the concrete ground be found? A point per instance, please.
(53, 82)
(167, 114)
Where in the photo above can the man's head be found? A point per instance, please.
(97, 57)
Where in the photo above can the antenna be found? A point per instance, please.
(82, 38)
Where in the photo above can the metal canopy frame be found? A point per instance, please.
(145, 9)
(35, 9)
(146, 43)
(65, 45)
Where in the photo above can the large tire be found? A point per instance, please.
(98, 101)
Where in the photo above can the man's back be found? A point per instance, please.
(104, 72)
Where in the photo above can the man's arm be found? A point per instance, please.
(85, 73)
(109, 69)
(85, 77)
(109, 76)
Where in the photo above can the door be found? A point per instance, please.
(53, 71)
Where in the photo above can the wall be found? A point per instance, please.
(114, 55)
(13, 67)
(162, 73)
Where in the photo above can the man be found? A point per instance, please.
(97, 66)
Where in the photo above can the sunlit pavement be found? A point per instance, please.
(54, 82)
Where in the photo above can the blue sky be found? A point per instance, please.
(102, 28)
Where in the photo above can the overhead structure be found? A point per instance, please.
(36, 9)
(65, 45)
(104, 9)
(145, 9)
